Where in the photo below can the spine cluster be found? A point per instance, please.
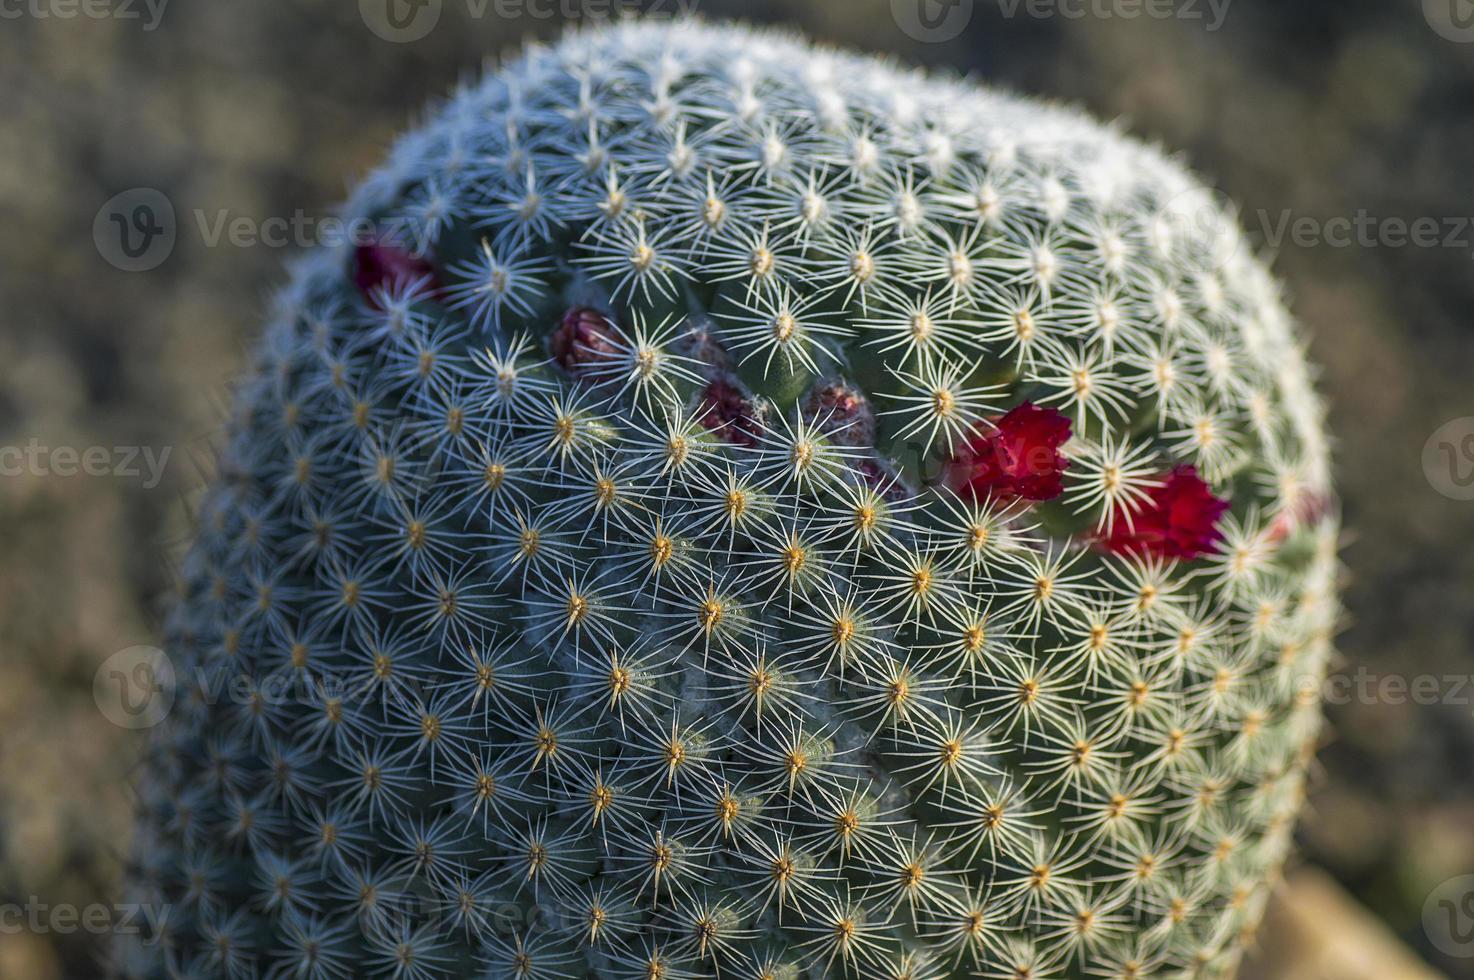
(759, 513)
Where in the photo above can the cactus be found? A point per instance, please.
(758, 512)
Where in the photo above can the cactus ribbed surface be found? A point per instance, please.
(769, 513)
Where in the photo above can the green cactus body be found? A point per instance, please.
(777, 515)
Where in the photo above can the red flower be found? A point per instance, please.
(1018, 458)
(383, 266)
(1178, 520)
(583, 339)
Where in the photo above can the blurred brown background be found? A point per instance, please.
(1304, 112)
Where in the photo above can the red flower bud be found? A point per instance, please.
(584, 338)
(701, 345)
(1179, 519)
(725, 409)
(881, 477)
(1019, 458)
(384, 266)
(841, 412)
(1309, 508)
